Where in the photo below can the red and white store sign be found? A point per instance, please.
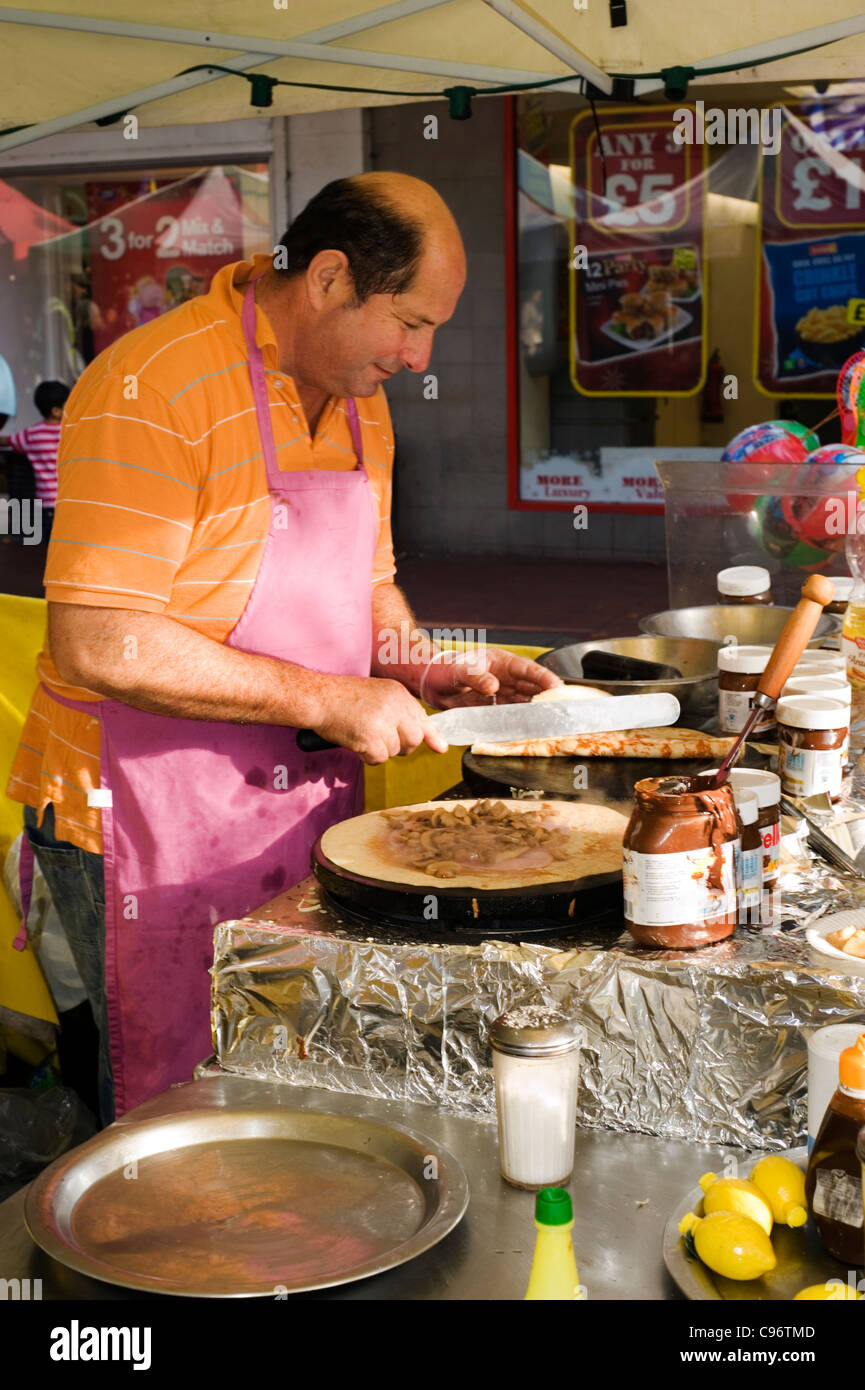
(619, 480)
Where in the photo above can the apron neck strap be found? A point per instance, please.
(262, 407)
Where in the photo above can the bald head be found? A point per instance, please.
(386, 223)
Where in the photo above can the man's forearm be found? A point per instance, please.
(401, 650)
(156, 664)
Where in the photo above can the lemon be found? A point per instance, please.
(736, 1194)
(833, 1291)
(730, 1244)
(783, 1186)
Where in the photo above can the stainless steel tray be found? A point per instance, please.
(242, 1202)
(801, 1258)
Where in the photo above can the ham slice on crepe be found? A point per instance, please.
(624, 743)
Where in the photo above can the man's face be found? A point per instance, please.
(354, 348)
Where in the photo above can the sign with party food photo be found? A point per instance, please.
(637, 264)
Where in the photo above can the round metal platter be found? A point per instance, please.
(237, 1203)
(801, 1258)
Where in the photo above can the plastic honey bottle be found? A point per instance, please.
(853, 629)
(554, 1267)
(833, 1184)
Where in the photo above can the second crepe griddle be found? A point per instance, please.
(607, 780)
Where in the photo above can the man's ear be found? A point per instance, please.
(328, 279)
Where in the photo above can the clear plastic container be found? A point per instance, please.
(720, 515)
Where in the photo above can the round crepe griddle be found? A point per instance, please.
(340, 855)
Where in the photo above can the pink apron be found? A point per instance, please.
(210, 820)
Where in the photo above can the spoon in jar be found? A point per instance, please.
(797, 632)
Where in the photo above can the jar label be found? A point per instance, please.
(854, 655)
(749, 873)
(807, 771)
(838, 1197)
(771, 848)
(664, 890)
(734, 706)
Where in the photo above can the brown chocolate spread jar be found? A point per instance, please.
(679, 870)
(744, 584)
(739, 671)
(812, 732)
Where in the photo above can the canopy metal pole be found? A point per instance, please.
(552, 41)
(278, 48)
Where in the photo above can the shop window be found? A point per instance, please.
(88, 257)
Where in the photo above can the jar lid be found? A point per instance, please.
(851, 1065)
(833, 686)
(811, 712)
(766, 786)
(821, 656)
(746, 804)
(842, 587)
(742, 580)
(747, 660)
(535, 1030)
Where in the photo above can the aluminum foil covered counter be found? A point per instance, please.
(703, 1045)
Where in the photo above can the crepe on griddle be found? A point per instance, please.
(622, 743)
(364, 845)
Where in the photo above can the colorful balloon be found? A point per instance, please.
(825, 520)
(850, 395)
(772, 529)
(774, 441)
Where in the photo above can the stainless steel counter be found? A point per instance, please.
(623, 1188)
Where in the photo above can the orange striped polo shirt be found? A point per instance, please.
(163, 505)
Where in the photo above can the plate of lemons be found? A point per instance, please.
(745, 1234)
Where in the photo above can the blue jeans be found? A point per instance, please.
(76, 880)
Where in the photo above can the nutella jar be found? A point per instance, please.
(739, 672)
(749, 869)
(744, 584)
(811, 733)
(679, 871)
(766, 786)
(835, 687)
(842, 588)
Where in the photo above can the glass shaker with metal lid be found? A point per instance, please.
(536, 1066)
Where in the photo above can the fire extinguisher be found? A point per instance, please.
(712, 407)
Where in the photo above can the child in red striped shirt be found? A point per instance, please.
(40, 444)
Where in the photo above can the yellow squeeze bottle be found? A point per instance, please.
(554, 1267)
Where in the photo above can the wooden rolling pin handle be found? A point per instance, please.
(817, 591)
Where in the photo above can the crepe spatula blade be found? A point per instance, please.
(555, 718)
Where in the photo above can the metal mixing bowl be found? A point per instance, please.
(747, 622)
(696, 691)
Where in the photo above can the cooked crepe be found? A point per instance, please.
(587, 839)
(624, 743)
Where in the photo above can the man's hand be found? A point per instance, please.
(472, 678)
(378, 719)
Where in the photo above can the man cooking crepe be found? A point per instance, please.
(221, 574)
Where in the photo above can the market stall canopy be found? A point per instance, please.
(67, 64)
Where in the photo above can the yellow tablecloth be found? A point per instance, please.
(24, 994)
